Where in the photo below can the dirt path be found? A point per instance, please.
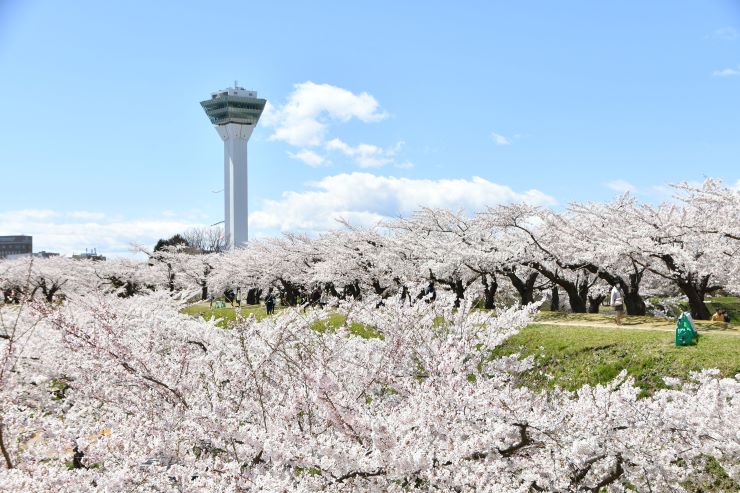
(660, 327)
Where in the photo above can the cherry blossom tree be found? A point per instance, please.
(718, 206)
(106, 386)
(669, 241)
(128, 393)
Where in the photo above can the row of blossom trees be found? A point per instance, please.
(106, 386)
(687, 247)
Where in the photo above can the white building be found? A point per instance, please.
(234, 113)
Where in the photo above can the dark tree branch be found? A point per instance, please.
(6, 455)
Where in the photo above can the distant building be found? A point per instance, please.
(16, 246)
(45, 254)
(88, 255)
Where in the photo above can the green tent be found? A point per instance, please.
(685, 331)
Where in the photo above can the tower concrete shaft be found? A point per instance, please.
(234, 112)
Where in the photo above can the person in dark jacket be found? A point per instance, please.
(270, 302)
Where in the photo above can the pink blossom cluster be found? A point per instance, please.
(108, 393)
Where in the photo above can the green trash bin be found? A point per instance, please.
(685, 331)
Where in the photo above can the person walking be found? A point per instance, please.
(615, 293)
(239, 297)
(617, 301)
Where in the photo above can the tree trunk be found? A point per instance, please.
(594, 303)
(253, 296)
(405, 295)
(555, 299)
(430, 289)
(49, 291)
(6, 455)
(289, 293)
(699, 310)
(489, 292)
(379, 290)
(331, 290)
(459, 292)
(352, 290)
(129, 289)
(525, 288)
(170, 277)
(693, 288)
(634, 303)
(577, 304)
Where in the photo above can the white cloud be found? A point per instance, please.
(499, 139)
(303, 120)
(86, 215)
(39, 214)
(364, 199)
(726, 33)
(365, 155)
(727, 72)
(405, 165)
(31, 214)
(309, 157)
(74, 231)
(621, 186)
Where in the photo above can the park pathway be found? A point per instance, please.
(654, 327)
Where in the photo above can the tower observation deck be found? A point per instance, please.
(234, 112)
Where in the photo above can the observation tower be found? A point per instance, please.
(234, 113)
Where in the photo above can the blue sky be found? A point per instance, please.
(454, 104)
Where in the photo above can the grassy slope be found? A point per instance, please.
(573, 356)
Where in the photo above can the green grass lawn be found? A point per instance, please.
(228, 315)
(570, 357)
(606, 315)
(729, 303)
(336, 320)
